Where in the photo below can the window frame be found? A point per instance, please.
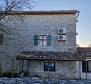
(89, 70)
(85, 67)
(49, 68)
(42, 41)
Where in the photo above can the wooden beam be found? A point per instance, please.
(28, 63)
(22, 66)
(19, 67)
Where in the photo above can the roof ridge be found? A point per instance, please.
(42, 12)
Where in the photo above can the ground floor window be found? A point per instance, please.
(86, 66)
(49, 66)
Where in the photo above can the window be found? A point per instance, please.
(89, 66)
(42, 40)
(1, 39)
(49, 66)
(86, 66)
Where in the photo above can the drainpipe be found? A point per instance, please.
(48, 72)
(27, 66)
(22, 65)
(86, 67)
(79, 70)
(86, 63)
(19, 67)
(77, 16)
(12, 61)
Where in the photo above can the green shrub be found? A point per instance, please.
(12, 74)
(9, 74)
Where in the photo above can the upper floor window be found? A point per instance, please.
(42, 40)
(1, 39)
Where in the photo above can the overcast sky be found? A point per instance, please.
(84, 24)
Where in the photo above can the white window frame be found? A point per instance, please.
(42, 40)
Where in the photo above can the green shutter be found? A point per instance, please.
(36, 40)
(49, 40)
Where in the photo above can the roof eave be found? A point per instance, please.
(41, 12)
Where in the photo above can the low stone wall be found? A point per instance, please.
(37, 81)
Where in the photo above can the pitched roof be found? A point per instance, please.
(42, 12)
(81, 54)
(84, 50)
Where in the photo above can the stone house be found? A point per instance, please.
(42, 43)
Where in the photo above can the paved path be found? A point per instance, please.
(33, 81)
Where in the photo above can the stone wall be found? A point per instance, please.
(63, 70)
(37, 81)
(21, 31)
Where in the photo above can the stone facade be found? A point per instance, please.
(22, 32)
(62, 70)
(20, 37)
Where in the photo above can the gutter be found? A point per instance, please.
(77, 16)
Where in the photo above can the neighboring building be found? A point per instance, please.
(85, 64)
(42, 43)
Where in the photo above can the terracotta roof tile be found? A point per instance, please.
(81, 54)
(43, 12)
(84, 50)
(49, 55)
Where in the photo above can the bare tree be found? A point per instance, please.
(13, 5)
